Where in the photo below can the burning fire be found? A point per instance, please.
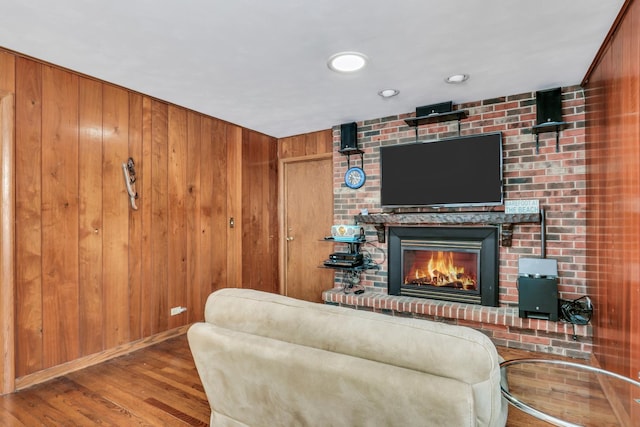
(441, 270)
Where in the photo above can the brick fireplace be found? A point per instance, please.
(556, 179)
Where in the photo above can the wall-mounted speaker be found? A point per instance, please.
(442, 107)
(549, 106)
(348, 137)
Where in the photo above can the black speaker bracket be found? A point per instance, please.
(548, 127)
(436, 117)
(351, 152)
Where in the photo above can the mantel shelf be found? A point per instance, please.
(448, 218)
(505, 220)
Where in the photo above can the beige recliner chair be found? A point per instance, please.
(270, 360)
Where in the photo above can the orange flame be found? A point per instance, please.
(441, 270)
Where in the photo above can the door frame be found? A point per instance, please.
(7, 245)
(282, 163)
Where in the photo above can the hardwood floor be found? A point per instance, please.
(159, 386)
(155, 386)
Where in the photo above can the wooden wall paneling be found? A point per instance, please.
(7, 222)
(291, 146)
(144, 172)
(234, 206)
(606, 235)
(607, 256)
(207, 168)
(630, 82)
(323, 141)
(596, 147)
(135, 278)
(217, 160)
(7, 72)
(615, 224)
(629, 189)
(177, 186)
(116, 216)
(621, 294)
(28, 248)
(613, 106)
(633, 47)
(7, 242)
(91, 273)
(159, 218)
(194, 280)
(259, 245)
(253, 243)
(309, 144)
(273, 231)
(91, 231)
(59, 216)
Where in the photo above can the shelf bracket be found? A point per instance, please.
(435, 116)
(506, 234)
(549, 127)
(380, 232)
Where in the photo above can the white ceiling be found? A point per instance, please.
(262, 64)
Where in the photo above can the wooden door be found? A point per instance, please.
(307, 216)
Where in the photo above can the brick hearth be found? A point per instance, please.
(501, 324)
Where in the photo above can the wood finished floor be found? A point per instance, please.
(159, 386)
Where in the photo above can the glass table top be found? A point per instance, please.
(571, 394)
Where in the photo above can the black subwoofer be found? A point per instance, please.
(538, 288)
(538, 298)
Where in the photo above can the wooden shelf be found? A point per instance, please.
(549, 127)
(448, 218)
(505, 221)
(350, 151)
(436, 118)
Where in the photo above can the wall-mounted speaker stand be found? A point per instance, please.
(549, 115)
(355, 176)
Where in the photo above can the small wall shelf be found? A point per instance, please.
(548, 127)
(436, 118)
(350, 152)
(353, 249)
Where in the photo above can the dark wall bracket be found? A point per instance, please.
(548, 127)
(435, 113)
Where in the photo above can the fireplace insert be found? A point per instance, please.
(457, 264)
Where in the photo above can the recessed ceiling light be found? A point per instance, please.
(388, 93)
(347, 62)
(457, 78)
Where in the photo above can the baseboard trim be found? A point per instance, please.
(94, 359)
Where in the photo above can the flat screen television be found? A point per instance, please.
(462, 171)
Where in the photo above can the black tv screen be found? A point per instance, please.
(462, 171)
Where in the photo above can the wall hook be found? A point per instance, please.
(130, 181)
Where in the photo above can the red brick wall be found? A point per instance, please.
(556, 179)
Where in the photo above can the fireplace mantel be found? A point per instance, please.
(505, 221)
